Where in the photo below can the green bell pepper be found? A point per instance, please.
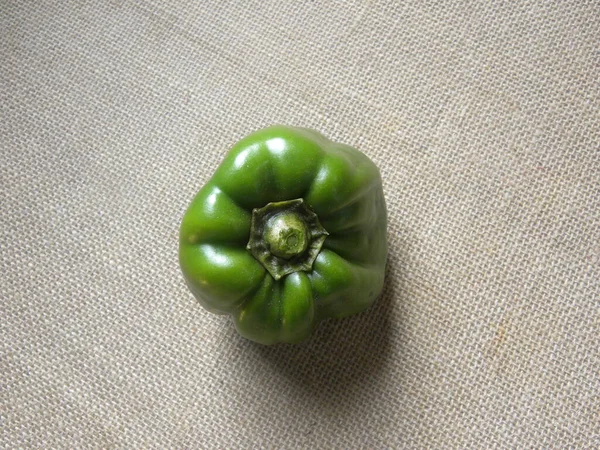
(290, 230)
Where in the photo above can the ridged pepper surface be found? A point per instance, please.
(290, 230)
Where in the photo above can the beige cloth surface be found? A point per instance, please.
(485, 120)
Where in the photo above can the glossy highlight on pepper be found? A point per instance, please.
(290, 230)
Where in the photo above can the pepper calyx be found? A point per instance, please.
(285, 237)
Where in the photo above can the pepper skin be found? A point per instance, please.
(290, 230)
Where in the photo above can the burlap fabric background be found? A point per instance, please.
(484, 119)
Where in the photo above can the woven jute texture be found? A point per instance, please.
(484, 118)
